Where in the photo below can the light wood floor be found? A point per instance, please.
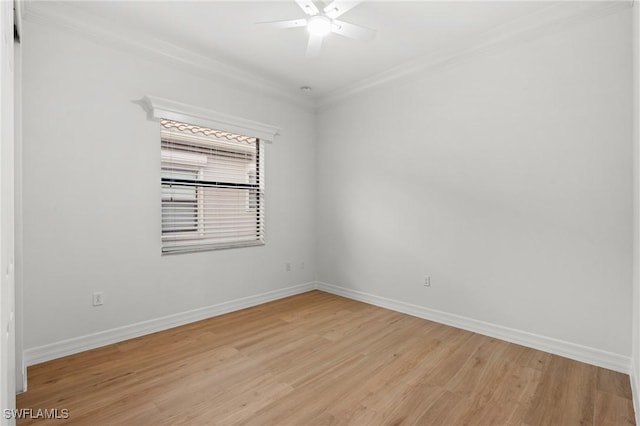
(319, 359)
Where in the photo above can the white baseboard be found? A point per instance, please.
(581, 353)
(635, 391)
(574, 351)
(91, 341)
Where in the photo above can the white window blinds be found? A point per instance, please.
(212, 188)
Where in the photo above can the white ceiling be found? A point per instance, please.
(225, 31)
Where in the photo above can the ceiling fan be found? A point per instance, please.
(320, 24)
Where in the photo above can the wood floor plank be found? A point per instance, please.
(567, 384)
(614, 383)
(612, 410)
(320, 359)
(446, 410)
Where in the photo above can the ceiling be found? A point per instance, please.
(226, 32)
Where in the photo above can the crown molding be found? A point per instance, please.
(555, 17)
(66, 17)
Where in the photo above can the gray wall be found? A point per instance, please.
(92, 194)
(507, 178)
(635, 363)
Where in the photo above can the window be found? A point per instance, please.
(212, 188)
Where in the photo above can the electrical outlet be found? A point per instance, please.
(301, 265)
(427, 281)
(287, 267)
(98, 298)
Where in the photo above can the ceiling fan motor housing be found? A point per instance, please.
(319, 25)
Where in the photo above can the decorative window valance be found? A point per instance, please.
(164, 109)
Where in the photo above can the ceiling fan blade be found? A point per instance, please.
(352, 31)
(338, 7)
(308, 7)
(313, 47)
(292, 23)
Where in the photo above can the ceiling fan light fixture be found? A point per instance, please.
(319, 25)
